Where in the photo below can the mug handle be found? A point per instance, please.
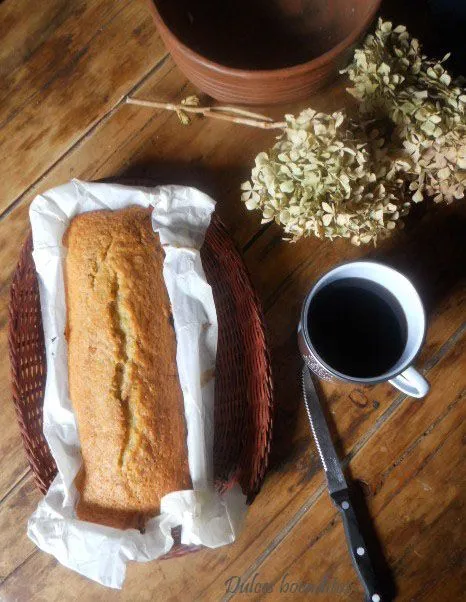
(411, 382)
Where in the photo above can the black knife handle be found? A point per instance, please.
(357, 547)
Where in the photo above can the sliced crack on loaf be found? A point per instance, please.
(123, 380)
(124, 343)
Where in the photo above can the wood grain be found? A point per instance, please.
(64, 69)
(79, 94)
(405, 475)
(56, 36)
(14, 463)
(15, 510)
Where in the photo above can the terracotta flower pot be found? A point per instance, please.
(262, 51)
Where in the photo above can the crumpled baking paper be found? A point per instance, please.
(181, 216)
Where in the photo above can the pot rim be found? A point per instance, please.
(267, 74)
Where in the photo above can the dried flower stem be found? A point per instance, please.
(221, 113)
(238, 111)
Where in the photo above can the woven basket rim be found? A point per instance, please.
(38, 455)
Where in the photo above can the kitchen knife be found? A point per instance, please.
(338, 489)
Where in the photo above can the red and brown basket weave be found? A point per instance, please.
(243, 395)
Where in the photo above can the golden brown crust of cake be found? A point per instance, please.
(123, 379)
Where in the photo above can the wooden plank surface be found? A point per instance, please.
(62, 116)
(427, 434)
(57, 110)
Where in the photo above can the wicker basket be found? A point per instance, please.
(243, 395)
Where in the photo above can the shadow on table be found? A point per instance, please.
(432, 253)
(438, 24)
(221, 185)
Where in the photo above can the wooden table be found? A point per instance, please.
(66, 68)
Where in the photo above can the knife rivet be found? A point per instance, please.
(345, 505)
(360, 551)
(375, 598)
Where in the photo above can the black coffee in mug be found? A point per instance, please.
(357, 327)
(363, 322)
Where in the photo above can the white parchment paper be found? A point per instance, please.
(181, 216)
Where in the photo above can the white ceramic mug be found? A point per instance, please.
(402, 375)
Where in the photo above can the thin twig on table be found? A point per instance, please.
(239, 111)
(220, 113)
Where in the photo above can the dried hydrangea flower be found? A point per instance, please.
(331, 177)
(393, 78)
(325, 176)
(189, 101)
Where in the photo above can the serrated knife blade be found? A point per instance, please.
(338, 490)
(328, 455)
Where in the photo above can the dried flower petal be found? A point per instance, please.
(393, 78)
(191, 101)
(326, 177)
(183, 117)
(326, 207)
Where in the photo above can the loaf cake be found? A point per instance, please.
(123, 380)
